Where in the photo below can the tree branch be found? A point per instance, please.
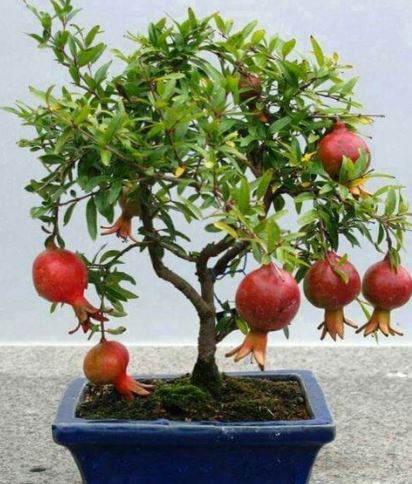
(164, 272)
(222, 264)
(178, 253)
(215, 248)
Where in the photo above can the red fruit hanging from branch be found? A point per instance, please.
(331, 284)
(386, 288)
(60, 276)
(268, 299)
(106, 364)
(340, 143)
(123, 226)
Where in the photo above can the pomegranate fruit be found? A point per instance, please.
(250, 91)
(250, 87)
(60, 276)
(335, 145)
(123, 225)
(106, 364)
(268, 299)
(386, 288)
(325, 288)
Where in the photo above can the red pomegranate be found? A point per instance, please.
(60, 276)
(268, 299)
(338, 143)
(386, 288)
(123, 225)
(325, 288)
(106, 363)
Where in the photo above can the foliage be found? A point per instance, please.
(178, 129)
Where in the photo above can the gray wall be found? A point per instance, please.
(375, 36)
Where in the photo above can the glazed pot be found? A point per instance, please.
(171, 452)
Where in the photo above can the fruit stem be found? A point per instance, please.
(50, 243)
(322, 233)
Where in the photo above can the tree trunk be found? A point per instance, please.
(205, 372)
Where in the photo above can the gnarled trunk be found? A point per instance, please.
(205, 372)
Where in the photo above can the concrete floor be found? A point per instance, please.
(368, 389)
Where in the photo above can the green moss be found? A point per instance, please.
(241, 399)
(181, 397)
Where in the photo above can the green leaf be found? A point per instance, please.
(220, 24)
(226, 228)
(308, 217)
(348, 86)
(264, 183)
(361, 163)
(101, 72)
(68, 214)
(105, 157)
(390, 203)
(122, 293)
(248, 29)
(303, 197)
(342, 274)
(82, 114)
(91, 35)
(37, 212)
(320, 58)
(243, 196)
(288, 47)
(91, 217)
(365, 309)
(109, 255)
(258, 36)
(114, 125)
(63, 139)
(74, 72)
(279, 124)
(115, 191)
(347, 170)
(89, 56)
(116, 331)
(242, 325)
(273, 235)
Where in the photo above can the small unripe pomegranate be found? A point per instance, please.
(106, 364)
(386, 288)
(325, 288)
(60, 276)
(338, 143)
(268, 299)
(250, 89)
(123, 225)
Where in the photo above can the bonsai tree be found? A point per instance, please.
(220, 128)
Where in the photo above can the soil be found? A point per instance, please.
(241, 399)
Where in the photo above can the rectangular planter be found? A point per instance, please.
(169, 452)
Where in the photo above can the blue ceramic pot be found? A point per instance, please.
(168, 452)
